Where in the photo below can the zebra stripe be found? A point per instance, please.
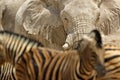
(112, 62)
(48, 64)
(6, 72)
(14, 45)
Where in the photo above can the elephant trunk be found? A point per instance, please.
(82, 26)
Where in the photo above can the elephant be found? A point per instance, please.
(79, 18)
(40, 20)
(8, 9)
(2, 8)
(63, 22)
(100, 14)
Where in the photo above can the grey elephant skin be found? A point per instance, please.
(8, 9)
(63, 22)
(41, 20)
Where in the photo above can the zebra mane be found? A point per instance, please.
(22, 36)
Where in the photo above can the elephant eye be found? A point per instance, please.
(65, 19)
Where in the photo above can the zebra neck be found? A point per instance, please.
(16, 46)
(84, 69)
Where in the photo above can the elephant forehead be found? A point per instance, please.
(81, 6)
(82, 3)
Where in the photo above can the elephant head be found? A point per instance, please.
(79, 17)
(82, 16)
(63, 22)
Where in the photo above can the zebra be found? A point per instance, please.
(111, 62)
(6, 72)
(13, 43)
(83, 63)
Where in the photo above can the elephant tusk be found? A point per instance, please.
(65, 46)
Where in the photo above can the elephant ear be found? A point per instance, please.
(109, 20)
(33, 15)
(40, 17)
(2, 9)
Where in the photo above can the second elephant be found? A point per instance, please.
(63, 22)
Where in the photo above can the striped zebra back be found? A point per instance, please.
(6, 72)
(48, 64)
(112, 62)
(12, 45)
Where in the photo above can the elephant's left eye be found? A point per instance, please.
(66, 20)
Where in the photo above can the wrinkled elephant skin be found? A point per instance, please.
(54, 19)
(79, 17)
(8, 9)
(40, 19)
